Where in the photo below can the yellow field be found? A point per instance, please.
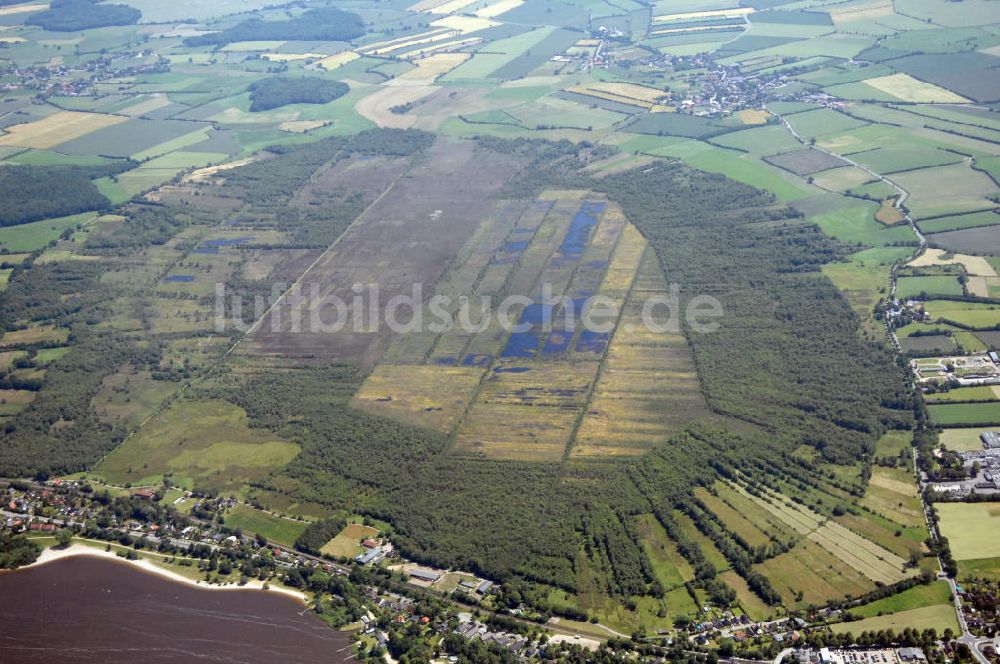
(58, 128)
(253, 46)
(157, 101)
(33, 335)
(450, 7)
(888, 213)
(338, 60)
(630, 90)
(526, 416)
(860, 554)
(464, 23)
(907, 88)
(971, 529)
(439, 46)
(714, 13)
(624, 93)
(432, 66)
(12, 40)
(499, 431)
(21, 9)
(816, 574)
(499, 7)
(17, 397)
(425, 5)
(209, 171)
(376, 106)
(870, 559)
(426, 395)
(981, 285)
(861, 11)
(347, 543)
(753, 116)
(802, 522)
(415, 40)
(975, 265)
(624, 263)
(630, 412)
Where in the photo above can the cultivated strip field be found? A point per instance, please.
(57, 129)
(862, 555)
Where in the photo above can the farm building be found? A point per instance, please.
(372, 556)
(991, 439)
(424, 575)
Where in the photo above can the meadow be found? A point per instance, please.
(347, 543)
(907, 287)
(256, 522)
(962, 440)
(969, 528)
(198, 443)
(959, 222)
(938, 617)
(965, 414)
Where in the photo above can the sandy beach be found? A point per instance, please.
(51, 554)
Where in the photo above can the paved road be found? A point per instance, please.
(901, 196)
(968, 638)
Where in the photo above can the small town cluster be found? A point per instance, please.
(391, 604)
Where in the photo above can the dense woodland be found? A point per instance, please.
(322, 24)
(271, 93)
(31, 193)
(319, 533)
(17, 550)
(73, 15)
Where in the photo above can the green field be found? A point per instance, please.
(988, 568)
(963, 440)
(893, 442)
(907, 287)
(277, 529)
(199, 444)
(931, 594)
(938, 617)
(34, 236)
(977, 393)
(858, 225)
(966, 314)
(971, 529)
(965, 413)
(670, 568)
(812, 124)
(972, 220)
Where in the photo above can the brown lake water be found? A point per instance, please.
(86, 609)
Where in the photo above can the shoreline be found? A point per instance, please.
(53, 554)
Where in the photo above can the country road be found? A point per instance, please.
(899, 204)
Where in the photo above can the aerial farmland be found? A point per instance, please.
(206, 207)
